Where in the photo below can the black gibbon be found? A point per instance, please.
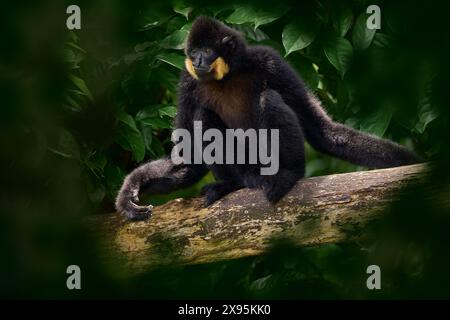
(229, 84)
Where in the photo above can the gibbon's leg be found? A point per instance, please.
(158, 176)
(226, 175)
(217, 190)
(275, 114)
(344, 142)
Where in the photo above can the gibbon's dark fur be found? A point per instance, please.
(258, 90)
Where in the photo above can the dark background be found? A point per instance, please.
(80, 109)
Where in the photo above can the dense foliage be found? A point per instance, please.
(82, 108)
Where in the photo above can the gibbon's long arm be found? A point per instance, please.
(333, 138)
(160, 176)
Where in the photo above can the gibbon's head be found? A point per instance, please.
(212, 49)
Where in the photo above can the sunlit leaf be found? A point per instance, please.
(247, 14)
(426, 114)
(176, 40)
(362, 36)
(81, 85)
(299, 34)
(181, 8)
(169, 111)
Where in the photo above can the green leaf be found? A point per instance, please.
(246, 14)
(157, 123)
(170, 111)
(143, 46)
(157, 116)
(251, 33)
(81, 85)
(426, 115)
(148, 25)
(114, 177)
(176, 40)
(242, 15)
(381, 40)
(129, 137)
(181, 8)
(96, 161)
(377, 122)
(299, 34)
(362, 36)
(156, 148)
(173, 59)
(154, 17)
(306, 70)
(149, 112)
(76, 47)
(66, 145)
(134, 57)
(147, 133)
(217, 8)
(342, 17)
(265, 17)
(73, 105)
(261, 283)
(339, 52)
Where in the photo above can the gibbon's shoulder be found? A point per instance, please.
(265, 58)
(271, 63)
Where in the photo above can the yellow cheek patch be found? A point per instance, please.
(220, 68)
(190, 68)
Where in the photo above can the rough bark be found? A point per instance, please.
(318, 210)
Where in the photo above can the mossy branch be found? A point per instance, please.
(318, 210)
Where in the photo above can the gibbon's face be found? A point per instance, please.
(210, 45)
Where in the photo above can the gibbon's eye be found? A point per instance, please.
(193, 52)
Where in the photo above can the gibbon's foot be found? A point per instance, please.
(217, 190)
(133, 211)
(252, 179)
(277, 186)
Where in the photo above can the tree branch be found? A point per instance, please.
(318, 210)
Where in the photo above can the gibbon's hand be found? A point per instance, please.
(127, 202)
(155, 177)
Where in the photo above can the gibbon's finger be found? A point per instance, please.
(138, 213)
